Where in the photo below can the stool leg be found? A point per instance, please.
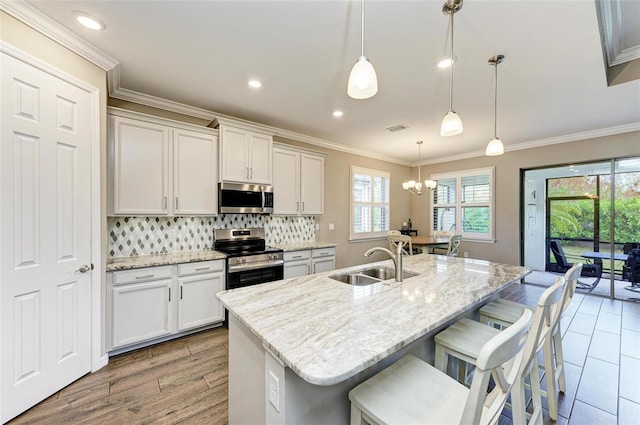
(536, 393)
(518, 402)
(440, 362)
(356, 415)
(550, 377)
(557, 348)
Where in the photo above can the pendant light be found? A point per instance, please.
(495, 146)
(451, 123)
(363, 82)
(415, 187)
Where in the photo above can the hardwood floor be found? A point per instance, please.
(185, 381)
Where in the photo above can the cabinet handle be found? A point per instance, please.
(147, 276)
(164, 203)
(302, 205)
(314, 268)
(247, 171)
(297, 256)
(202, 268)
(308, 269)
(181, 292)
(251, 172)
(297, 206)
(169, 294)
(177, 203)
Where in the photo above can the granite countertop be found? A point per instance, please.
(126, 263)
(327, 331)
(301, 246)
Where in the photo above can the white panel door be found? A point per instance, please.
(195, 174)
(45, 222)
(312, 184)
(286, 181)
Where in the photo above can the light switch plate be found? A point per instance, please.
(332, 226)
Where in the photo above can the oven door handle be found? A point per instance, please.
(255, 266)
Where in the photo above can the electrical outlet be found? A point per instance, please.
(274, 391)
(317, 226)
(332, 226)
(466, 254)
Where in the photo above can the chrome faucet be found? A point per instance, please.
(396, 258)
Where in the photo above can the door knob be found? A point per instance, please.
(84, 268)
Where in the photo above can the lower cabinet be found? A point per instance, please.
(156, 302)
(302, 263)
(323, 260)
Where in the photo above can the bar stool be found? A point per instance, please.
(411, 391)
(503, 313)
(465, 339)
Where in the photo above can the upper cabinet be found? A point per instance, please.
(245, 156)
(160, 167)
(298, 181)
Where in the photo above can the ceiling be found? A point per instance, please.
(552, 84)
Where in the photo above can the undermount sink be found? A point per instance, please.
(370, 276)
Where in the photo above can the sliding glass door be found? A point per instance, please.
(587, 213)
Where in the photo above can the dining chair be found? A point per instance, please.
(452, 249)
(464, 340)
(396, 238)
(503, 313)
(411, 391)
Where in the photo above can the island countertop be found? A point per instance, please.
(327, 331)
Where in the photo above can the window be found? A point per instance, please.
(463, 203)
(369, 203)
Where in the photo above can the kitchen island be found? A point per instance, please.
(297, 346)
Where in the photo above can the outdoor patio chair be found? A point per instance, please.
(563, 264)
(631, 270)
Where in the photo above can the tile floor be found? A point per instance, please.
(601, 341)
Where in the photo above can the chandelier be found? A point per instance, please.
(416, 187)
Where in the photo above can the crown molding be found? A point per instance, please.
(37, 20)
(574, 137)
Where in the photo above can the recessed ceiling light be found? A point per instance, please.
(338, 114)
(89, 21)
(446, 62)
(255, 84)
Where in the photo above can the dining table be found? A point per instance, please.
(429, 241)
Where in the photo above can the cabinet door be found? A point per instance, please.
(195, 173)
(234, 160)
(296, 268)
(140, 312)
(286, 169)
(140, 167)
(324, 264)
(260, 167)
(311, 184)
(197, 302)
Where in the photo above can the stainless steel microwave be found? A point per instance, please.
(235, 198)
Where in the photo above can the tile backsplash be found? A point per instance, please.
(131, 236)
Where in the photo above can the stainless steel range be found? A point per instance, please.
(249, 260)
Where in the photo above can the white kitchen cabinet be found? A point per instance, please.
(298, 181)
(297, 263)
(310, 261)
(323, 260)
(160, 167)
(198, 284)
(245, 156)
(157, 303)
(140, 305)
